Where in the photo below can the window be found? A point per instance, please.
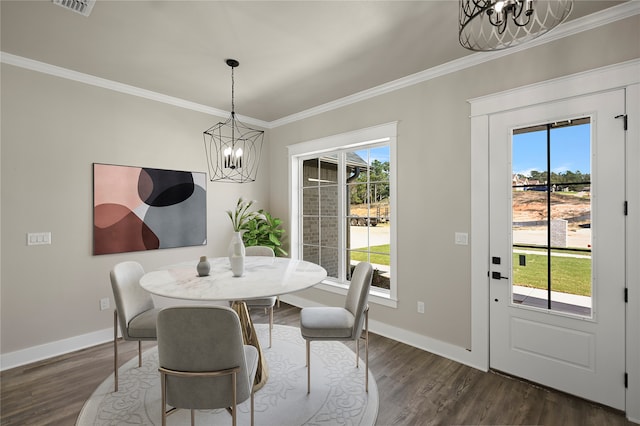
(552, 228)
(342, 206)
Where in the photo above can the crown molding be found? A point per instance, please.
(607, 16)
(589, 22)
(92, 80)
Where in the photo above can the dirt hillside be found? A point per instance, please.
(532, 206)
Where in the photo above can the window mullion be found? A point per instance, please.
(296, 205)
(342, 216)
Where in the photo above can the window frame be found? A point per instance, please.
(359, 139)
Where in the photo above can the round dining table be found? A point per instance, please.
(262, 277)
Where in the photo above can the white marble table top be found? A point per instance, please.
(263, 277)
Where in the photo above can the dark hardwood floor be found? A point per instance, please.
(415, 388)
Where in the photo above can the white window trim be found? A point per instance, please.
(367, 136)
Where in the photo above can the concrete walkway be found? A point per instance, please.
(362, 236)
(565, 298)
(579, 238)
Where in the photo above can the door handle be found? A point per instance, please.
(498, 276)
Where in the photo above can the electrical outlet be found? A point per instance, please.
(421, 307)
(104, 303)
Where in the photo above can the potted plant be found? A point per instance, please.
(264, 230)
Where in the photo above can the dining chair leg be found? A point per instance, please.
(139, 353)
(163, 391)
(193, 417)
(308, 367)
(234, 389)
(252, 404)
(115, 349)
(270, 324)
(366, 350)
(358, 352)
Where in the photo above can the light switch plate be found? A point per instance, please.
(462, 238)
(38, 238)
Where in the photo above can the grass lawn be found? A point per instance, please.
(379, 255)
(569, 275)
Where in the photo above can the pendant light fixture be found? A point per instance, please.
(487, 25)
(233, 149)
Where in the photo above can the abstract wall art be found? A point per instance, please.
(138, 208)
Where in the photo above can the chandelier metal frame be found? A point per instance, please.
(233, 149)
(487, 25)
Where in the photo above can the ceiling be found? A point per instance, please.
(294, 55)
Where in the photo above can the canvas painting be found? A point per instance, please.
(137, 208)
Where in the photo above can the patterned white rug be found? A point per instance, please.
(337, 389)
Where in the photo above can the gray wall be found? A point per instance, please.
(54, 129)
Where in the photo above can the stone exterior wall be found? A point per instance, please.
(320, 215)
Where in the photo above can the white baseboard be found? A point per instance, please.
(438, 347)
(49, 350)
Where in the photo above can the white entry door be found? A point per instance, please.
(557, 241)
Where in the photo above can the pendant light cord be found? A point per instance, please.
(233, 107)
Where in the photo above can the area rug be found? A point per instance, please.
(337, 390)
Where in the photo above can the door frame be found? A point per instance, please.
(624, 75)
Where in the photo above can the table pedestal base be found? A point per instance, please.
(251, 338)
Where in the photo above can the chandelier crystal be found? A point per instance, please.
(486, 25)
(233, 149)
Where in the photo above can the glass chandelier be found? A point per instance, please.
(487, 25)
(233, 149)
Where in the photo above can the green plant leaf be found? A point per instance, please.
(274, 239)
(262, 229)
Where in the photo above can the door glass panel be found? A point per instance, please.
(551, 217)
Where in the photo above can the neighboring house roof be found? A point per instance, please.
(523, 180)
(353, 159)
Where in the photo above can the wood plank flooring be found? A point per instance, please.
(415, 388)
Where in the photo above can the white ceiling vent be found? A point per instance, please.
(82, 7)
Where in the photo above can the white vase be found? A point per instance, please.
(203, 267)
(236, 254)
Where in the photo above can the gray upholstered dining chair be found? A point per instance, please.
(265, 302)
(335, 323)
(135, 309)
(203, 361)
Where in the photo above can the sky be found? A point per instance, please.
(570, 150)
(379, 153)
